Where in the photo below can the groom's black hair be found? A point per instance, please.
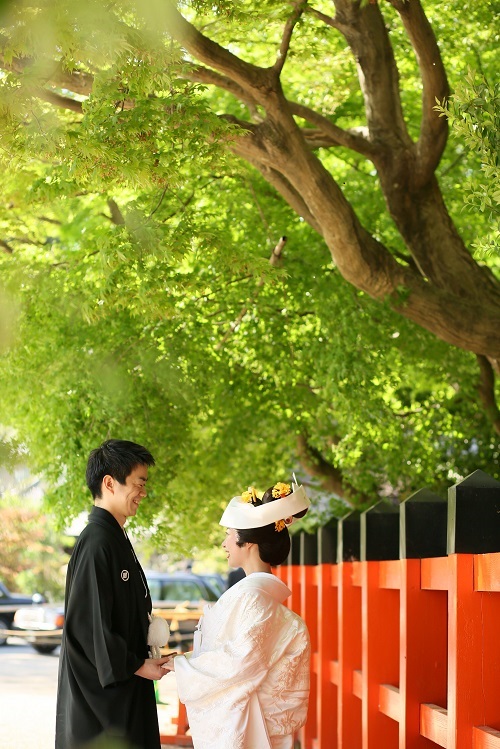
(116, 458)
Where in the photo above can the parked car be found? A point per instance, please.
(41, 626)
(179, 587)
(216, 581)
(177, 596)
(9, 604)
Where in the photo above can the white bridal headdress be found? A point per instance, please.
(241, 513)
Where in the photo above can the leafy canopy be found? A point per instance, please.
(137, 296)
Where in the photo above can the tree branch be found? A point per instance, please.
(365, 32)
(116, 215)
(199, 74)
(328, 134)
(32, 242)
(59, 101)
(292, 21)
(252, 79)
(274, 261)
(53, 74)
(288, 192)
(77, 81)
(486, 390)
(330, 477)
(328, 20)
(353, 139)
(433, 129)
(6, 247)
(50, 220)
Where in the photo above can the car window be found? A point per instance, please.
(215, 582)
(180, 590)
(154, 589)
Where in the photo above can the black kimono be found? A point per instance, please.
(105, 642)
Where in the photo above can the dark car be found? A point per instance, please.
(216, 581)
(179, 587)
(9, 604)
(177, 597)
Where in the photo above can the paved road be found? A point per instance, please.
(28, 684)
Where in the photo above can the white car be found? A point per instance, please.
(41, 626)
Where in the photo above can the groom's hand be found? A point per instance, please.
(154, 668)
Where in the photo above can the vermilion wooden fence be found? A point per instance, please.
(403, 608)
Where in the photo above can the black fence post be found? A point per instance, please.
(308, 548)
(348, 538)
(327, 542)
(380, 532)
(474, 515)
(294, 556)
(422, 526)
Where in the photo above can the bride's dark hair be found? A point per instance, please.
(274, 545)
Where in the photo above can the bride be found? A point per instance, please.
(246, 683)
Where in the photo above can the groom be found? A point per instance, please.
(105, 685)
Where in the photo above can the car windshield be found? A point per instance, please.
(180, 590)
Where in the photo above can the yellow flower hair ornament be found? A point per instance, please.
(281, 490)
(250, 495)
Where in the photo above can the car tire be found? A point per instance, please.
(45, 649)
(3, 625)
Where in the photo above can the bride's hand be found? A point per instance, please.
(169, 665)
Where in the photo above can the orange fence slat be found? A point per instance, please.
(334, 672)
(356, 571)
(389, 702)
(406, 653)
(434, 724)
(357, 683)
(487, 572)
(473, 653)
(390, 574)
(465, 699)
(422, 652)
(380, 657)
(327, 673)
(349, 659)
(485, 738)
(309, 612)
(435, 574)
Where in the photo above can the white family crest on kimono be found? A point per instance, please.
(246, 685)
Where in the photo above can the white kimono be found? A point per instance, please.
(246, 684)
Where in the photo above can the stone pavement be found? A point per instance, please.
(28, 684)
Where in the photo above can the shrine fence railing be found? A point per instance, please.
(403, 608)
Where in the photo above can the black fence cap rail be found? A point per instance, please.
(380, 532)
(327, 542)
(348, 538)
(474, 515)
(422, 525)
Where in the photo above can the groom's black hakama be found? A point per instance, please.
(104, 643)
